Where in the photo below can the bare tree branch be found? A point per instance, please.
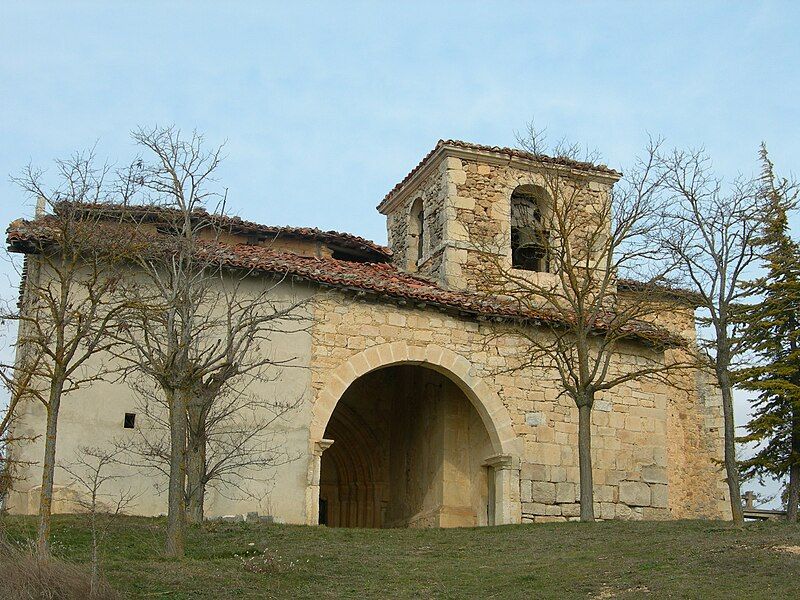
(89, 476)
(193, 326)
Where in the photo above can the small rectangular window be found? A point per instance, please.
(130, 421)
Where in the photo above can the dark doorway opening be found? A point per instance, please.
(408, 451)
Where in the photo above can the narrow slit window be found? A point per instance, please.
(421, 236)
(130, 421)
(416, 234)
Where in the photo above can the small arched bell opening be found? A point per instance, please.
(530, 247)
(409, 450)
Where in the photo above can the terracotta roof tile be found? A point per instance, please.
(382, 279)
(237, 225)
(664, 290)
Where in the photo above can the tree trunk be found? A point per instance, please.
(48, 469)
(794, 492)
(731, 465)
(95, 573)
(794, 468)
(176, 515)
(196, 466)
(585, 461)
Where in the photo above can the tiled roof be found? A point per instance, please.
(157, 214)
(336, 238)
(671, 292)
(383, 279)
(510, 152)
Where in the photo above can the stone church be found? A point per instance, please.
(406, 417)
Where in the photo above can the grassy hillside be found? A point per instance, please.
(688, 559)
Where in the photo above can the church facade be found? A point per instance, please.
(409, 412)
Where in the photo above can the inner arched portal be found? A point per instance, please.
(408, 451)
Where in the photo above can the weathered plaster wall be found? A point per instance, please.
(93, 416)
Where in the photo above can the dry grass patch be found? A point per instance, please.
(26, 577)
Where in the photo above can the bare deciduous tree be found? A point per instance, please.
(709, 233)
(193, 325)
(89, 476)
(583, 240)
(16, 381)
(240, 444)
(67, 304)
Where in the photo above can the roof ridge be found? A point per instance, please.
(582, 164)
(349, 239)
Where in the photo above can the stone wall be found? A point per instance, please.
(432, 193)
(479, 212)
(694, 421)
(653, 448)
(467, 203)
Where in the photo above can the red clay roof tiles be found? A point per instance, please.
(157, 214)
(383, 279)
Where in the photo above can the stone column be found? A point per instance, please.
(312, 491)
(507, 505)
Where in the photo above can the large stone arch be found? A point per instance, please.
(493, 413)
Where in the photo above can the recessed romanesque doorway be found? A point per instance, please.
(408, 451)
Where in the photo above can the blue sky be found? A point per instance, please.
(325, 106)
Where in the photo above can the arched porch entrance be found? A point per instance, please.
(407, 436)
(408, 451)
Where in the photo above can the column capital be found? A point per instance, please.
(322, 445)
(502, 461)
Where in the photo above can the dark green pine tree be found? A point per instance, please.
(771, 331)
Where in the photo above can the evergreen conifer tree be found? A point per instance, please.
(771, 330)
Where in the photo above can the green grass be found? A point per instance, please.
(679, 559)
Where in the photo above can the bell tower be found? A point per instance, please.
(463, 200)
